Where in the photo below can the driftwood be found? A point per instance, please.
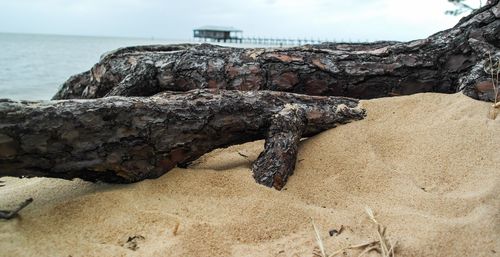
(128, 139)
(447, 62)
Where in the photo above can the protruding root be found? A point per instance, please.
(277, 162)
(11, 214)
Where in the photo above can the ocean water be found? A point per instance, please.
(33, 67)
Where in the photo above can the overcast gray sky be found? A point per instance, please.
(318, 19)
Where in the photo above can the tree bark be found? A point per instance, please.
(128, 139)
(277, 161)
(447, 62)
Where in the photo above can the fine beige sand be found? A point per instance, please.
(428, 165)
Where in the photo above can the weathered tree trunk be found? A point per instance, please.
(448, 61)
(128, 139)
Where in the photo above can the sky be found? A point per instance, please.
(340, 20)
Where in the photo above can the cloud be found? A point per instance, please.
(332, 19)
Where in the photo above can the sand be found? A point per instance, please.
(428, 165)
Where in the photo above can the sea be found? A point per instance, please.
(33, 67)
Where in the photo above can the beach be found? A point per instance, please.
(426, 164)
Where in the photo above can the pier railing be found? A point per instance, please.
(270, 41)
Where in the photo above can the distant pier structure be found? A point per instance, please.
(234, 35)
(219, 34)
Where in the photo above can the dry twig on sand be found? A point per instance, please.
(383, 245)
(493, 69)
(318, 239)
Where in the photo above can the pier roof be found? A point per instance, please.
(219, 28)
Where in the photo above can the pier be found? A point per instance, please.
(218, 34)
(234, 35)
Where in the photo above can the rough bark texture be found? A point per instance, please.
(277, 161)
(128, 139)
(447, 62)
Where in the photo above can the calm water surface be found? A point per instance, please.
(32, 67)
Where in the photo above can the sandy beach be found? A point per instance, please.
(426, 164)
